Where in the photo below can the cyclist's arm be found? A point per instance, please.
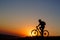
(37, 26)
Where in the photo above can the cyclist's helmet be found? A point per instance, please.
(39, 20)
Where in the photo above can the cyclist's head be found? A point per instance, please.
(39, 20)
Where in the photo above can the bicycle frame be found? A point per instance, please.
(38, 30)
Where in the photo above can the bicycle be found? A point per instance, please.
(37, 31)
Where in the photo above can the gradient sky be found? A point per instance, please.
(21, 16)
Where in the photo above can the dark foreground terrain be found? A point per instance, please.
(9, 37)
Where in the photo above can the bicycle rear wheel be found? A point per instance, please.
(34, 32)
(46, 33)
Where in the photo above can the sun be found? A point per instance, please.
(29, 34)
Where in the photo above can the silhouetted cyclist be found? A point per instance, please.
(41, 26)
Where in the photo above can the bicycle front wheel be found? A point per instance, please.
(46, 33)
(34, 32)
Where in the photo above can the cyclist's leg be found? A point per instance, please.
(42, 31)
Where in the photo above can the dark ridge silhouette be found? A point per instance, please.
(7, 37)
(11, 37)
